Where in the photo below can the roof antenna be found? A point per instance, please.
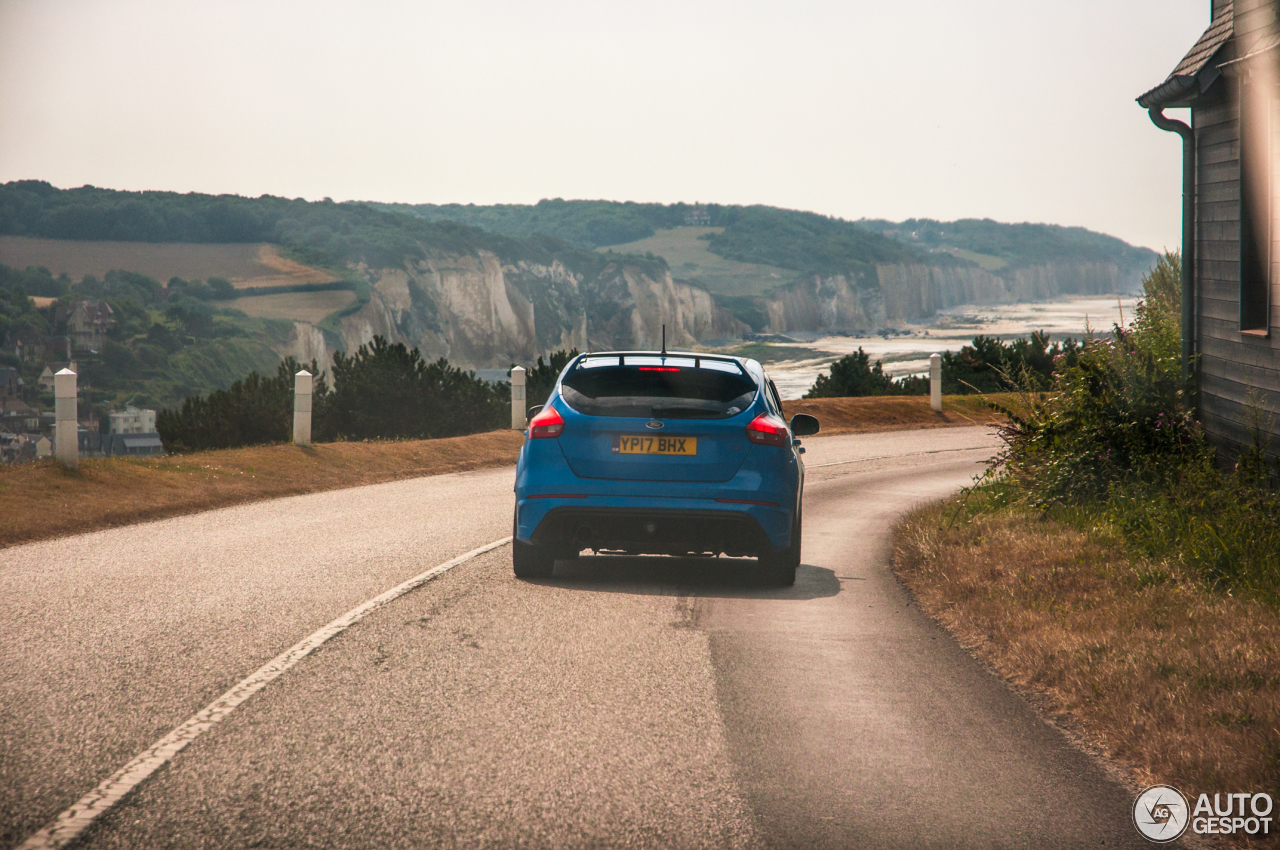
(664, 340)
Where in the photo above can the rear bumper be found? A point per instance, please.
(653, 526)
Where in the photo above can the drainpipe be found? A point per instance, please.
(1188, 227)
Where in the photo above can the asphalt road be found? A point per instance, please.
(623, 703)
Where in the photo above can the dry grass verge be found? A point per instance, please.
(43, 500)
(1176, 683)
(896, 413)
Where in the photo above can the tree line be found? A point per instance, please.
(987, 365)
(384, 391)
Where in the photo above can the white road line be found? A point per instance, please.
(96, 803)
(890, 457)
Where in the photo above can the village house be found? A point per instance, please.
(88, 320)
(131, 420)
(46, 382)
(17, 416)
(132, 432)
(1231, 261)
(35, 347)
(15, 448)
(11, 383)
(132, 445)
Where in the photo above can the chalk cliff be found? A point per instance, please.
(895, 293)
(479, 311)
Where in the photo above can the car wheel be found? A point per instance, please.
(780, 566)
(530, 560)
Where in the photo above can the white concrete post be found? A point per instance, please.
(302, 408)
(935, 382)
(517, 398)
(66, 422)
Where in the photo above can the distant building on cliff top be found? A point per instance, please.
(697, 218)
(1231, 241)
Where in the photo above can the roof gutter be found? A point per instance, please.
(1188, 228)
(1168, 93)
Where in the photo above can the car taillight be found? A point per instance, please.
(548, 423)
(767, 430)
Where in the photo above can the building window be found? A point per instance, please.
(1255, 204)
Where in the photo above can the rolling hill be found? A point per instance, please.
(488, 286)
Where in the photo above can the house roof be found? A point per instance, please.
(140, 441)
(1196, 71)
(94, 309)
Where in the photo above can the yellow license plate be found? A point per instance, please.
(646, 445)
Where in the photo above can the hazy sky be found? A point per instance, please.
(1018, 111)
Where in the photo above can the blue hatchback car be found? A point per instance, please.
(643, 452)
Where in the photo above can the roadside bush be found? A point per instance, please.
(1118, 409)
(853, 375)
(541, 379)
(988, 365)
(1115, 445)
(383, 391)
(250, 412)
(388, 391)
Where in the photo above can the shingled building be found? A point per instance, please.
(1231, 245)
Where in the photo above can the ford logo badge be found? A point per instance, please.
(653, 423)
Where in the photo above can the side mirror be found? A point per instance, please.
(804, 425)
(534, 411)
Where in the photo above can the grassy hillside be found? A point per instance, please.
(768, 239)
(313, 307)
(322, 234)
(994, 245)
(686, 252)
(252, 264)
(223, 277)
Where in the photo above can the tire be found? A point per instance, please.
(529, 560)
(780, 565)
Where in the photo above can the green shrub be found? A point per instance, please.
(252, 411)
(386, 391)
(1118, 409)
(1114, 445)
(988, 365)
(852, 375)
(541, 379)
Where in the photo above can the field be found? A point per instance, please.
(690, 260)
(987, 261)
(244, 264)
(310, 307)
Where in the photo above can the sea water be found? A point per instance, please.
(907, 352)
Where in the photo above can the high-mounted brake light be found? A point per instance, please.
(767, 430)
(659, 368)
(548, 423)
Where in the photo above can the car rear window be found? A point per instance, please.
(658, 388)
